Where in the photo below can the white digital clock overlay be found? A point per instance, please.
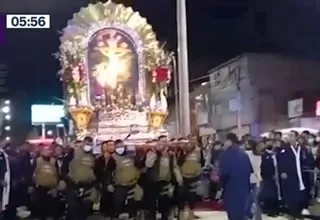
(36, 21)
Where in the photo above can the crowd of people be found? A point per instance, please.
(275, 175)
(283, 174)
(52, 182)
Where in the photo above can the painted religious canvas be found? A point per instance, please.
(113, 69)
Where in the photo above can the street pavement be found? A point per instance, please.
(210, 215)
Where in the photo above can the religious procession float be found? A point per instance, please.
(114, 73)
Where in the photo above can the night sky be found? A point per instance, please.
(218, 30)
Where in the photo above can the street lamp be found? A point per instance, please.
(6, 112)
(49, 132)
(6, 109)
(183, 68)
(7, 117)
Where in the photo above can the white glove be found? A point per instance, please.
(62, 185)
(110, 188)
(30, 189)
(151, 158)
(284, 176)
(53, 192)
(171, 191)
(23, 214)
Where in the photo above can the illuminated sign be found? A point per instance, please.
(318, 108)
(44, 114)
(295, 108)
(40, 141)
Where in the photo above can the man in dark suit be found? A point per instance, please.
(292, 162)
(5, 182)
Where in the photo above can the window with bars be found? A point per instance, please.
(216, 78)
(217, 109)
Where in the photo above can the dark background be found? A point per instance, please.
(217, 29)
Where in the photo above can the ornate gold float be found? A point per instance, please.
(81, 116)
(114, 72)
(156, 119)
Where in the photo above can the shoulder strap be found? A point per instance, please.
(39, 160)
(171, 162)
(116, 158)
(53, 160)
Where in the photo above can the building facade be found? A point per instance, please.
(5, 103)
(4, 90)
(253, 90)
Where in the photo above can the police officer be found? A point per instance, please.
(190, 161)
(26, 164)
(62, 161)
(125, 174)
(46, 180)
(81, 183)
(161, 174)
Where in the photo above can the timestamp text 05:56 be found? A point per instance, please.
(28, 21)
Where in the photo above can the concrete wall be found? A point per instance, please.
(276, 80)
(222, 118)
(267, 83)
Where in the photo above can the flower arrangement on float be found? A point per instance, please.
(161, 77)
(72, 72)
(71, 57)
(161, 74)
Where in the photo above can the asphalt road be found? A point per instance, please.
(205, 215)
(208, 215)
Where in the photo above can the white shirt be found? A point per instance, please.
(296, 151)
(256, 166)
(6, 190)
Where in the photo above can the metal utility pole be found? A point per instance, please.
(43, 131)
(176, 94)
(239, 103)
(183, 68)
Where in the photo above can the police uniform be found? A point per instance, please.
(46, 180)
(125, 179)
(81, 181)
(159, 189)
(62, 162)
(190, 164)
